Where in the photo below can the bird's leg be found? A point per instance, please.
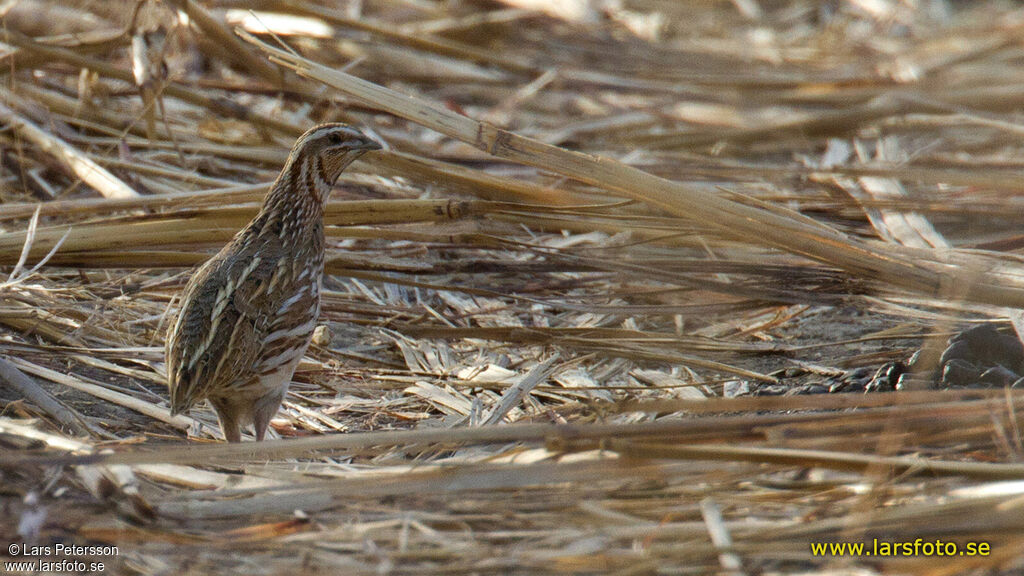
(264, 409)
(228, 416)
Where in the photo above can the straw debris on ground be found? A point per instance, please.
(597, 308)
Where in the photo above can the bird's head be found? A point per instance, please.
(326, 150)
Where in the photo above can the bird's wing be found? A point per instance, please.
(228, 310)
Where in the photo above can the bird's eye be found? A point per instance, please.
(335, 139)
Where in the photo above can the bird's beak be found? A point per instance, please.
(367, 145)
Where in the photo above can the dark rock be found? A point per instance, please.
(987, 345)
(770, 390)
(886, 377)
(975, 333)
(959, 372)
(790, 372)
(1008, 351)
(847, 386)
(862, 374)
(853, 381)
(999, 376)
(958, 350)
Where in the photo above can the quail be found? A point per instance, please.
(247, 315)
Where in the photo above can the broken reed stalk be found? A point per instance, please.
(920, 271)
(732, 427)
(216, 224)
(34, 393)
(73, 160)
(834, 460)
(246, 193)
